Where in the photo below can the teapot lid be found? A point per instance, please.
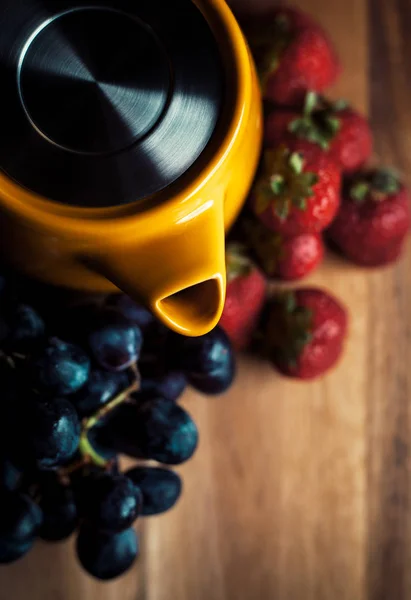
(105, 102)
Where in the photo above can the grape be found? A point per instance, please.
(154, 359)
(106, 556)
(60, 368)
(106, 454)
(44, 431)
(208, 361)
(59, 511)
(20, 517)
(170, 386)
(158, 430)
(136, 313)
(110, 503)
(102, 386)
(114, 341)
(87, 471)
(161, 488)
(9, 475)
(12, 551)
(26, 328)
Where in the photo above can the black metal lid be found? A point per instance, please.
(105, 102)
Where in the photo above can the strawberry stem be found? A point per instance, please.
(319, 122)
(375, 185)
(238, 263)
(289, 329)
(285, 183)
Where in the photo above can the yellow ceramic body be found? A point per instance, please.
(166, 251)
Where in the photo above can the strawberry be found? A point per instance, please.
(287, 258)
(298, 190)
(305, 332)
(374, 218)
(292, 53)
(331, 126)
(246, 290)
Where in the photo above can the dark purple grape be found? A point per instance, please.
(133, 311)
(154, 361)
(60, 517)
(109, 502)
(170, 386)
(158, 430)
(107, 454)
(161, 488)
(59, 368)
(10, 476)
(44, 432)
(114, 341)
(12, 551)
(26, 328)
(106, 556)
(88, 471)
(101, 387)
(20, 517)
(208, 361)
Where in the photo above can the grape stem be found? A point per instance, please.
(85, 447)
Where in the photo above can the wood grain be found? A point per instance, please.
(298, 491)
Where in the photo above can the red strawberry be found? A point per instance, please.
(298, 190)
(292, 53)
(331, 127)
(246, 290)
(305, 332)
(288, 258)
(374, 218)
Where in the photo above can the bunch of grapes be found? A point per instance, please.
(80, 385)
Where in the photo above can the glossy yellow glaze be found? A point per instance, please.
(166, 251)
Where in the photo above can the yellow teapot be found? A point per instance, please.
(130, 133)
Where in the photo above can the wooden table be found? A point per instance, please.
(298, 491)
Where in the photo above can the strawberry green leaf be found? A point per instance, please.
(306, 129)
(296, 162)
(333, 124)
(282, 208)
(289, 329)
(300, 203)
(238, 263)
(309, 179)
(268, 44)
(310, 103)
(318, 122)
(359, 191)
(265, 245)
(277, 184)
(263, 198)
(301, 126)
(385, 181)
(290, 303)
(339, 105)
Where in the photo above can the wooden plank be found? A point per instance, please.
(389, 422)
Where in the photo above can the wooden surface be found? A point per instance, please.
(298, 491)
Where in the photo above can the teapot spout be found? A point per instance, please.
(196, 309)
(180, 277)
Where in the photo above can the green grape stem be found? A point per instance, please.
(85, 447)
